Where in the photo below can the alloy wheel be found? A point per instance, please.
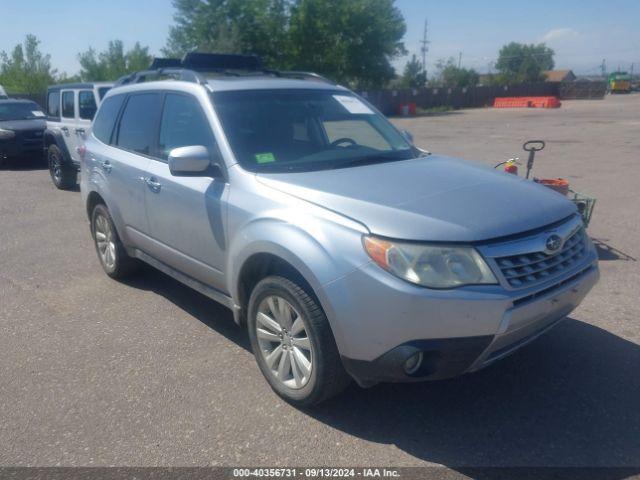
(284, 342)
(105, 241)
(55, 166)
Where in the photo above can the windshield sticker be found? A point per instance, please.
(265, 157)
(37, 113)
(353, 105)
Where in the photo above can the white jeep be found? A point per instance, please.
(70, 110)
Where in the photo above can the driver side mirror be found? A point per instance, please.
(193, 161)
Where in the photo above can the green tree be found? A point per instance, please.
(450, 75)
(26, 69)
(114, 62)
(519, 62)
(257, 27)
(414, 75)
(352, 42)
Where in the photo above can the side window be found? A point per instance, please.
(86, 104)
(106, 118)
(53, 104)
(137, 128)
(68, 105)
(183, 124)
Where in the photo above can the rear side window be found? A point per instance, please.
(137, 128)
(106, 118)
(68, 105)
(53, 104)
(183, 124)
(86, 104)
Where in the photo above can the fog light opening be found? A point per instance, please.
(413, 363)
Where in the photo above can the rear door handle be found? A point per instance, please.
(106, 166)
(80, 131)
(65, 130)
(153, 184)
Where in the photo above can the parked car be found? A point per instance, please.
(345, 251)
(22, 126)
(3, 94)
(70, 110)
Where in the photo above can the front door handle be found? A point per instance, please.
(153, 184)
(65, 130)
(80, 131)
(106, 166)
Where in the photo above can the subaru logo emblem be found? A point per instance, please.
(554, 242)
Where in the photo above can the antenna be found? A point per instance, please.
(425, 47)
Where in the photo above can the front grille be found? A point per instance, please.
(531, 268)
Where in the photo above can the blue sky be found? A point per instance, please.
(581, 32)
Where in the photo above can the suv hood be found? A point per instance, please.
(430, 198)
(22, 125)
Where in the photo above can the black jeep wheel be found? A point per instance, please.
(63, 176)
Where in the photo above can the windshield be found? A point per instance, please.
(19, 111)
(286, 130)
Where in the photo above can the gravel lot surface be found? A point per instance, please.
(148, 372)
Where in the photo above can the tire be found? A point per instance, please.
(111, 252)
(326, 376)
(64, 177)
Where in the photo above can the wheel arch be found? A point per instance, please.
(55, 138)
(261, 265)
(93, 199)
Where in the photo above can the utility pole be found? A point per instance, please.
(603, 68)
(459, 60)
(425, 47)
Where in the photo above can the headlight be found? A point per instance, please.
(433, 266)
(6, 134)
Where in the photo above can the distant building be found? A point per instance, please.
(559, 76)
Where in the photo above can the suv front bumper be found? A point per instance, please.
(380, 322)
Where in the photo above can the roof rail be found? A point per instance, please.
(191, 67)
(175, 73)
(299, 75)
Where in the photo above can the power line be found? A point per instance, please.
(425, 47)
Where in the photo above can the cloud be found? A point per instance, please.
(559, 34)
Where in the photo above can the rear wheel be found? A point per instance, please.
(113, 256)
(293, 343)
(63, 176)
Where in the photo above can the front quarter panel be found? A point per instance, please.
(320, 244)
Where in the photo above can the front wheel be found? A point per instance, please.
(63, 176)
(293, 343)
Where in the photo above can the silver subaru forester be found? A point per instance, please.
(346, 251)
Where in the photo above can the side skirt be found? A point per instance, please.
(198, 286)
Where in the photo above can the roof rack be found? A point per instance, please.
(165, 63)
(191, 67)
